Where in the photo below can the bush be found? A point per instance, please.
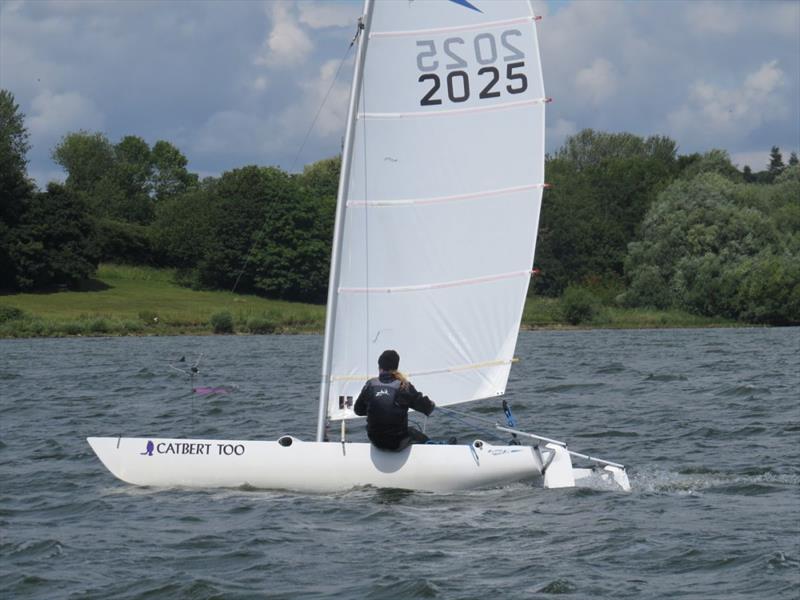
(117, 241)
(222, 322)
(10, 313)
(132, 326)
(261, 325)
(149, 317)
(99, 325)
(74, 327)
(648, 289)
(579, 305)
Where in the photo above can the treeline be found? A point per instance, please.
(630, 222)
(627, 221)
(259, 229)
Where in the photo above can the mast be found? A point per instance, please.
(341, 200)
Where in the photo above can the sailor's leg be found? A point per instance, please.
(416, 436)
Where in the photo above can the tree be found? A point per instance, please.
(793, 160)
(15, 187)
(184, 227)
(716, 247)
(602, 186)
(14, 143)
(713, 161)
(293, 260)
(52, 243)
(169, 174)
(775, 162)
(122, 181)
(590, 148)
(256, 228)
(86, 157)
(129, 184)
(321, 178)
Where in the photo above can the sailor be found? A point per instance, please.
(385, 401)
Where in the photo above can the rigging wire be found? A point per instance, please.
(465, 419)
(302, 146)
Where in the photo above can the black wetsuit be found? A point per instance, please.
(386, 405)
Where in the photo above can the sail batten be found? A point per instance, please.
(439, 214)
(416, 114)
(454, 369)
(441, 30)
(440, 199)
(432, 286)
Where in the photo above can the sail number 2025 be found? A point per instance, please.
(457, 54)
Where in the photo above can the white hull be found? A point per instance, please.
(292, 464)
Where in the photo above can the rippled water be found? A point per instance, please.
(707, 420)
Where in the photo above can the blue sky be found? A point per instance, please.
(239, 82)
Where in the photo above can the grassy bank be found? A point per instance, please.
(541, 312)
(124, 300)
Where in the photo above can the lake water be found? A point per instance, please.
(707, 420)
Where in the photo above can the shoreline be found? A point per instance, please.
(207, 332)
(143, 301)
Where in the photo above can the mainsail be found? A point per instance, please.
(439, 211)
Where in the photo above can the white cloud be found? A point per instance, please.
(732, 112)
(764, 81)
(597, 82)
(333, 115)
(53, 114)
(231, 132)
(319, 15)
(560, 130)
(257, 136)
(287, 44)
(715, 74)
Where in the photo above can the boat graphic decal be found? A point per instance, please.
(499, 451)
(194, 448)
(466, 4)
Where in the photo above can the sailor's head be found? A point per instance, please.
(389, 360)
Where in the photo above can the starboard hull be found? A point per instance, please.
(320, 467)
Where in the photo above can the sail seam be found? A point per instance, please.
(454, 111)
(451, 198)
(457, 369)
(437, 30)
(433, 286)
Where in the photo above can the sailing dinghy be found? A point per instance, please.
(437, 214)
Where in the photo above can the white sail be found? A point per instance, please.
(441, 208)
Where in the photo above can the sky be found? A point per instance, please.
(233, 83)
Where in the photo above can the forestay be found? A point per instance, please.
(442, 203)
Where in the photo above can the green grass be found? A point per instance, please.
(547, 312)
(125, 300)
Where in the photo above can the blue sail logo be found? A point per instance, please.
(149, 449)
(466, 4)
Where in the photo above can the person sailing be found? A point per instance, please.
(385, 401)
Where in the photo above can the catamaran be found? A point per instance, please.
(436, 220)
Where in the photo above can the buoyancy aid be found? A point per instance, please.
(385, 415)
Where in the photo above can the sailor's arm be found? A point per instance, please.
(360, 407)
(420, 402)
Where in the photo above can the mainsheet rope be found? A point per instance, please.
(464, 418)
